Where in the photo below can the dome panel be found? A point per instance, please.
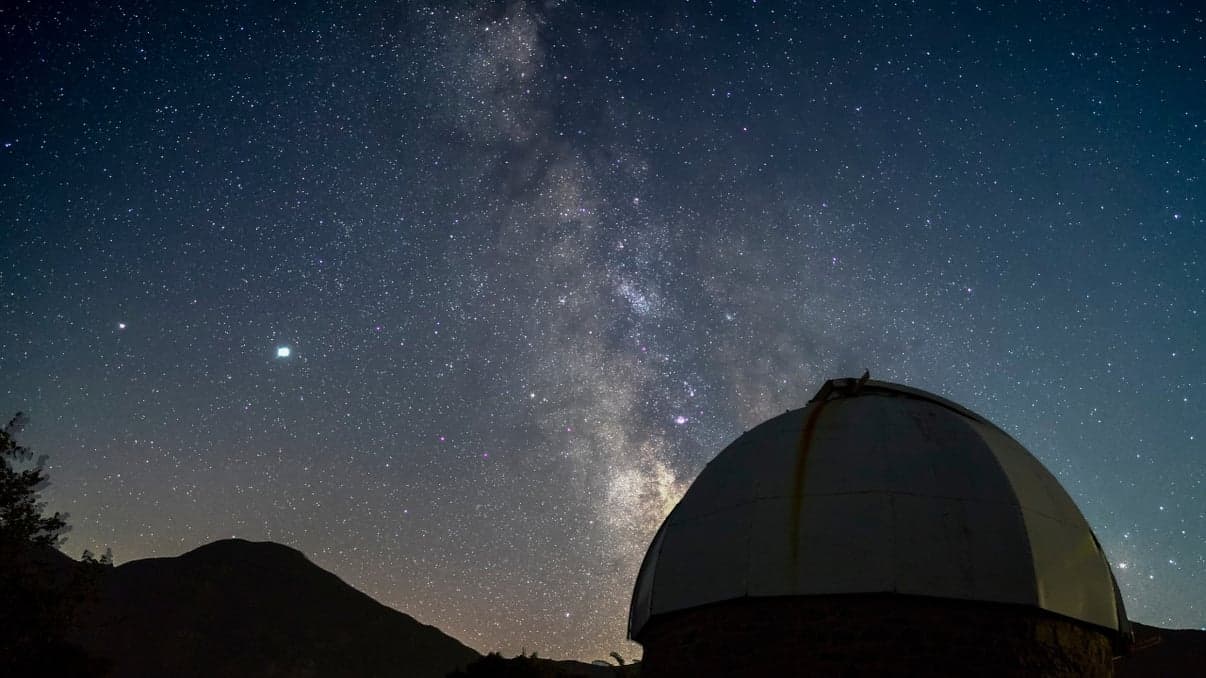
(931, 526)
(642, 594)
(937, 557)
(1070, 571)
(702, 560)
(724, 483)
(931, 453)
(1033, 484)
(832, 532)
(993, 548)
(855, 465)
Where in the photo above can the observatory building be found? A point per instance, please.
(880, 530)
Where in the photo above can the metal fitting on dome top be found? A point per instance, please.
(842, 388)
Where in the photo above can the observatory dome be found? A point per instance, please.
(877, 488)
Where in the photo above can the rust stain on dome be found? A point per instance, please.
(797, 491)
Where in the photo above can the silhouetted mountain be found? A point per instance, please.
(240, 608)
(1164, 652)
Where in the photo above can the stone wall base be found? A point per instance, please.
(870, 635)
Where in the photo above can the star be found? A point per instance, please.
(283, 351)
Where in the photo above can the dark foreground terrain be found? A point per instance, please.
(239, 608)
(1164, 652)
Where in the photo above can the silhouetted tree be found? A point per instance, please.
(494, 665)
(21, 520)
(42, 592)
(90, 558)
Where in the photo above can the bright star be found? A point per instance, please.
(283, 351)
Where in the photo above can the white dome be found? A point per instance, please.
(873, 488)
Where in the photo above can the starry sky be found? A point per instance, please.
(458, 298)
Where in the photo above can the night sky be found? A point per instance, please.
(457, 299)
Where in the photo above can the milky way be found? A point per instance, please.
(458, 298)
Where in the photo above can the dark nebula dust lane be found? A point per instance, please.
(458, 298)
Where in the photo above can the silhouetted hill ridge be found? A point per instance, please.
(241, 608)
